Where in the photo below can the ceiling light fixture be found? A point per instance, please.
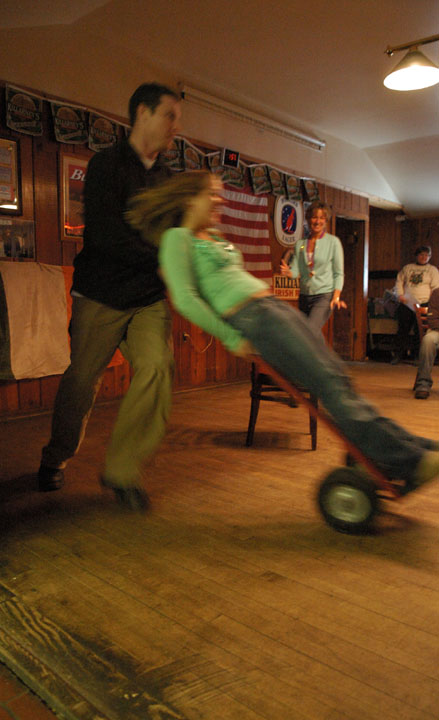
(415, 71)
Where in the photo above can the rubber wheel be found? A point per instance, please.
(348, 500)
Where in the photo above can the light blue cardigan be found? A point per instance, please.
(328, 266)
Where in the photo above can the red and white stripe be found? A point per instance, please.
(244, 222)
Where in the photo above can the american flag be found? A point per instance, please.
(245, 223)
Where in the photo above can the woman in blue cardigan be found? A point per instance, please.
(208, 286)
(318, 261)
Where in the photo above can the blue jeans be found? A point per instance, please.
(316, 307)
(289, 343)
(427, 355)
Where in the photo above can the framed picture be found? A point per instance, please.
(10, 185)
(17, 238)
(73, 169)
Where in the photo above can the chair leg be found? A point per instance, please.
(313, 424)
(254, 409)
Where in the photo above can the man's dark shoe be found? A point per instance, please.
(131, 498)
(395, 359)
(50, 478)
(422, 394)
(406, 487)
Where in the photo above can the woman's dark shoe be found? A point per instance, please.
(50, 478)
(422, 394)
(131, 498)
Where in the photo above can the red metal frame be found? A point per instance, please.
(381, 481)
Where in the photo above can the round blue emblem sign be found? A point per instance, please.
(288, 221)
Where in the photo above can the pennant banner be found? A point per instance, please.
(174, 155)
(293, 187)
(193, 158)
(102, 132)
(259, 178)
(23, 111)
(229, 175)
(245, 223)
(214, 163)
(311, 189)
(69, 124)
(276, 181)
(24, 114)
(234, 176)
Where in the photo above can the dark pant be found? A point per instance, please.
(406, 321)
(317, 307)
(427, 355)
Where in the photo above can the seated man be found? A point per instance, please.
(428, 350)
(414, 284)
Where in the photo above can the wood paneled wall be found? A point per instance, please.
(200, 361)
(385, 250)
(393, 241)
(424, 231)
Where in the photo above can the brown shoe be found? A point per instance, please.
(131, 498)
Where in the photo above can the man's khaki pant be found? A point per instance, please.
(144, 337)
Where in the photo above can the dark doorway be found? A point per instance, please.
(348, 323)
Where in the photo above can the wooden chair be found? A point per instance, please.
(264, 388)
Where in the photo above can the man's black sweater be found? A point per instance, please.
(116, 267)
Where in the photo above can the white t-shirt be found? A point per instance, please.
(418, 281)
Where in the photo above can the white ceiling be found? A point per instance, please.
(316, 65)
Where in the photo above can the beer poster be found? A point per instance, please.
(73, 171)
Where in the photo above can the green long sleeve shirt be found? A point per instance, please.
(206, 279)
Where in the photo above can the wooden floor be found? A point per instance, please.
(231, 599)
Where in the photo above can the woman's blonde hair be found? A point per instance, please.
(318, 205)
(156, 209)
